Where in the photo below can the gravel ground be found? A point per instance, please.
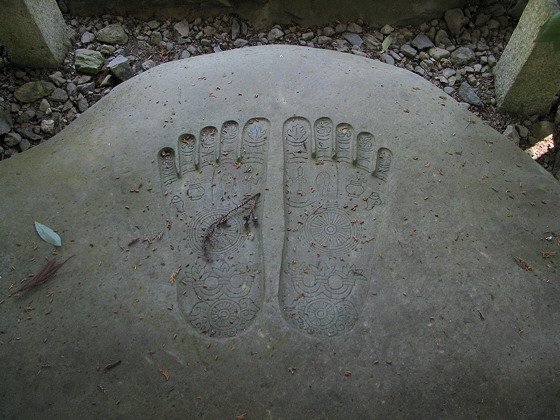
(456, 53)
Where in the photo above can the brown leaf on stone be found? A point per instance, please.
(164, 372)
(523, 264)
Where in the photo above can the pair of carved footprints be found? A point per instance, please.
(331, 213)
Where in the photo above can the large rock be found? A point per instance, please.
(456, 21)
(527, 76)
(34, 33)
(120, 68)
(6, 122)
(112, 34)
(12, 139)
(439, 53)
(400, 258)
(275, 34)
(88, 61)
(462, 56)
(422, 42)
(542, 129)
(467, 94)
(181, 29)
(59, 95)
(31, 91)
(353, 38)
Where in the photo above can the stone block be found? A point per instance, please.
(527, 75)
(112, 34)
(88, 61)
(120, 68)
(6, 122)
(34, 33)
(34, 90)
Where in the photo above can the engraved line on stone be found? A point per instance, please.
(332, 229)
(226, 238)
(355, 188)
(207, 146)
(195, 191)
(383, 163)
(298, 190)
(223, 317)
(324, 317)
(344, 135)
(227, 183)
(296, 134)
(256, 132)
(323, 183)
(178, 203)
(254, 140)
(228, 144)
(168, 171)
(364, 151)
(186, 153)
(212, 282)
(322, 139)
(334, 282)
(373, 200)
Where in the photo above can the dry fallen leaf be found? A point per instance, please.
(164, 372)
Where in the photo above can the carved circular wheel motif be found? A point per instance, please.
(224, 314)
(332, 228)
(225, 238)
(321, 313)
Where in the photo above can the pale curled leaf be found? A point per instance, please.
(386, 43)
(47, 234)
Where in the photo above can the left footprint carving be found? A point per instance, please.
(214, 187)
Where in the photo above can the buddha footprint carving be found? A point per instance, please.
(335, 188)
(214, 185)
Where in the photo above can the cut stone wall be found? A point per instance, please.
(262, 12)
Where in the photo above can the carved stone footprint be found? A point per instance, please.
(335, 188)
(214, 188)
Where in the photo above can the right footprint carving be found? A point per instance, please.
(215, 190)
(335, 188)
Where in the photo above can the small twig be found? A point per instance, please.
(469, 122)
(45, 274)
(251, 216)
(112, 365)
(224, 218)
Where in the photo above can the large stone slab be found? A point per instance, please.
(280, 232)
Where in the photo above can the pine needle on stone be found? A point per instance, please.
(45, 274)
